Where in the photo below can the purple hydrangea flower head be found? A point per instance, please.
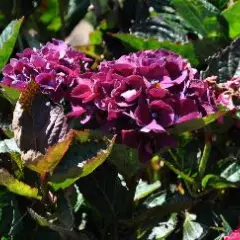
(140, 96)
(157, 66)
(55, 66)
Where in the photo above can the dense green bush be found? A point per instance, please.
(131, 133)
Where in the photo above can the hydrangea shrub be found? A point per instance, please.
(117, 164)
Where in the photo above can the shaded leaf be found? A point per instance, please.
(7, 41)
(42, 221)
(64, 211)
(16, 186)
(35, 133)
(64, 232)
(125, 159)
(173, 203)
(193, 230)
(165, 27)
(225, 64)
(144, 189)
(81, 159)
(105, 193)
(6, 211)
(76, 11)
(220, 4)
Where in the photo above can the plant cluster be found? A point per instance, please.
(134, 136)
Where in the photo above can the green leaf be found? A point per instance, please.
(53, 156)
(164, 229)
(144, 189)
(7, 41)
(16, 186)
(216, 182)
(160, 207)
(225, 64)
(77, 199)
(137, 43)
(64, 211)
(11, 94)
(195, 124)
(125, 159)
(192, 230)
(8, 146)
(232, 15)
(220, 4)
(96, 37)
(81, 160)
(6, 211)
(156, 199)
(104, 191)
(49, 222)
(201, 15)
(168, 26)
(232, 172)
(50, 15)
(42, 221)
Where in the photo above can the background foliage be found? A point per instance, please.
(99, 190)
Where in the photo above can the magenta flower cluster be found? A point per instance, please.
(139, 96)
(54, 66)
(234, 235)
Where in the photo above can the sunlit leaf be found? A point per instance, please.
(164, 229)
(7, 41)
(201, 15)
(16, 186)
(216, 182)
(81, 159)
(193, 230)
(8, 145)
(53, 156)
(232, 172)
(232, 15)
(11, 94)
(144, 189)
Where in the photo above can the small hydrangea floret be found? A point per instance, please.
(55, 66)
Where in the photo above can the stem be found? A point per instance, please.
(205, 155)
(174, 157)
(178, 172)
